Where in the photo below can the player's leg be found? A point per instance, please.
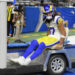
(29, 50)
(8, 28)
(44, 45)
(44, 42)
(38, 51)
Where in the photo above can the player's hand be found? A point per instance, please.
(48, 34)
(59, 46)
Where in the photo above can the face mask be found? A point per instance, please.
(49, 17)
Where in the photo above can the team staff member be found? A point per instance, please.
(54, 40)
(10, 19)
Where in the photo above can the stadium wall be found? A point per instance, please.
(32, 17)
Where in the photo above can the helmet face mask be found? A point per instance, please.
(49, 17)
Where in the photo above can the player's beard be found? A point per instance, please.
(48, 19)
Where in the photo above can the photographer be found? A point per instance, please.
(19, 23)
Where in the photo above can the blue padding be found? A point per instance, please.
(28, 43)
(17, 45)
(43, 27)
(32, 17)
(69, 47)
(15, 51)
(68, 14)
(69, 73)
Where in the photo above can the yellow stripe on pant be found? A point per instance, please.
(48, 40)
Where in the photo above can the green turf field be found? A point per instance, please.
(27, 37)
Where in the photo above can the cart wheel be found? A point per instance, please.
(56, 65)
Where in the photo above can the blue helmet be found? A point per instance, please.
(48, 8)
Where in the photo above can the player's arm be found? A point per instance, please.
(62, 31)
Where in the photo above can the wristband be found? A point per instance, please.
(62, 36)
